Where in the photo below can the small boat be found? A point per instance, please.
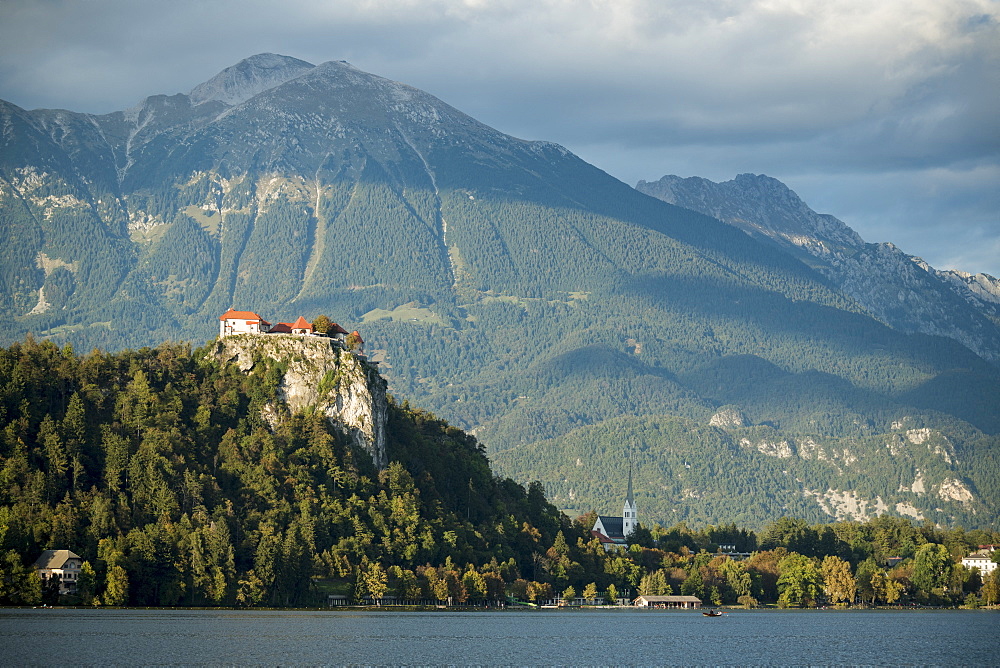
(712, 613)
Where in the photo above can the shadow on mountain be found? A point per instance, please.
(966, 394)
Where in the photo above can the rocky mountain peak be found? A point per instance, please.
(251, 76)
(900, 290)
(759, 205)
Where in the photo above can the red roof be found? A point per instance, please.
(334, 328)
(302, 323)
(355, 333)
(249, 316)
(281, 328)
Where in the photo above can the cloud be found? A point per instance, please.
(829, 96)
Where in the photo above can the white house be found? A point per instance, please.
(61, 564)
(982, 559)
(242, 322)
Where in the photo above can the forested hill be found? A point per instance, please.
(164, 467)
(506, 285)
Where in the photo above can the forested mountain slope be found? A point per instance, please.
(507, 285)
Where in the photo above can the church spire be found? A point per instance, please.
(629, 518)
(629, 498)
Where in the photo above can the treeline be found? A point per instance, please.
(885, 561)
(158, 469)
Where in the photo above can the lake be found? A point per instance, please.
(586, 637)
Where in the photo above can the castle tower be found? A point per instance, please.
(629, 518)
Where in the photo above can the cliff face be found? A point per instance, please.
(320, 375)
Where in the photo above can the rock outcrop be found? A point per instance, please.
(319, 374)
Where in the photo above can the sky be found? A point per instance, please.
(883, 113)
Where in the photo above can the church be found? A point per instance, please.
(614, 531)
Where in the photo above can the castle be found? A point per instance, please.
(247, 322)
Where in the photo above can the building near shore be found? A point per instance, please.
(680, 602)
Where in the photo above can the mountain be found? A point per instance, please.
(508, 286)
(900, 290)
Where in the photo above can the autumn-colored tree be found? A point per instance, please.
(372, 582)
(838, 583)
(990, 592)
(116, 591)
(321, 324)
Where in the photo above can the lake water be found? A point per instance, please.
(626, 637)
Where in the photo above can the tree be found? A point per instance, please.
(893, 590)
(611, 595)
(590, 592)
(737, 578)
(321, 324)
(249, 590)
(800, 582)
(475, 584)
(86, 584)
(19, 584)
(654, 584)
(863, 579)
(372, 582)
(539, 591)
(990, 592)
(116, 590)
(838, 583)
(568, 595)
(932, 566)
(694, 584)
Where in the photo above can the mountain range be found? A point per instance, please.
(748, 357)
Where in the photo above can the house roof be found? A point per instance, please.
(355, 333)
(334, 328)
(54, 558)
(232, 314)
(281, 328)
(302, 323)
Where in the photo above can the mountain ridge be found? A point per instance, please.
(899, 289)
(507, 285)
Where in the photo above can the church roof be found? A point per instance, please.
(613, 526)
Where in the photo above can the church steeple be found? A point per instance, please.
(628, 511)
